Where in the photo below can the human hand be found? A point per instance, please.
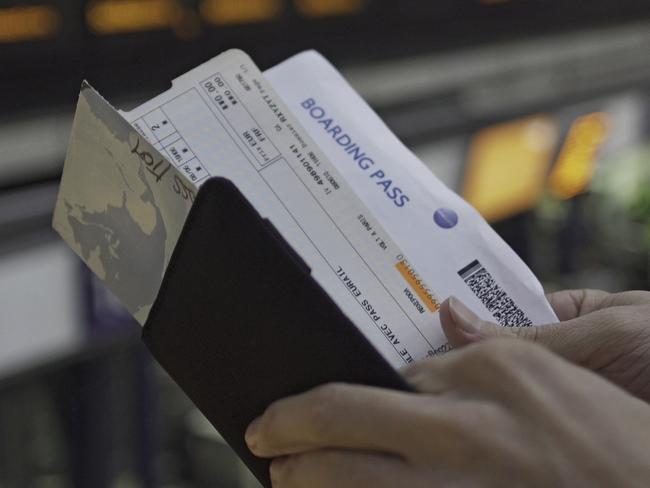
(608, 333)
(498, 413)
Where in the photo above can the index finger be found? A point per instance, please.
(342, 416)
(570, 304)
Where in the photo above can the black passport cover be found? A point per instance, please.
(239, 322)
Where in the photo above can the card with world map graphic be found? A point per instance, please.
(121, 204)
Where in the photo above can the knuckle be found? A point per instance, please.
(529, 333)
(270, 420)
(477, 414)
(424, 373)
(286, 472)
(518, 350)
(299, 470)
(608, 317)
(500, 356)
(325, 397)
(323, 404)
(643, 312)
(329, 391)
(415, 369)
(623, 327)
(630, 319)
(490, 413)
(489, 353)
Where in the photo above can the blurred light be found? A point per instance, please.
(575, 166)
(494, 2)
(221, 12)
(117, 16)
(326, 8)
(507, 166)
(29, 23)
(189, 25)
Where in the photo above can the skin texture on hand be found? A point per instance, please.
(608, 333)
(492, 414)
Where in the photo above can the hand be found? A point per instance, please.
(499, 413)
(604, 332)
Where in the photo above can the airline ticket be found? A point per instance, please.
(384, 238)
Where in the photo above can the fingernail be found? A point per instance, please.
(463, 317)
(252, 434)
(277, 465)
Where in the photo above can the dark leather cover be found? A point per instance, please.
(239, 322)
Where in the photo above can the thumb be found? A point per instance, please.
(463, 327)
(613, 341)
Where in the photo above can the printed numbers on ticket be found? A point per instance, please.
(224, 118)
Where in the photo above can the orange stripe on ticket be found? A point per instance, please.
(418, 286)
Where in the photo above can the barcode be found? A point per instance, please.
(495, 299)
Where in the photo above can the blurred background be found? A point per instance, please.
(537, 112)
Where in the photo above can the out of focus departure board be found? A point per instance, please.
(47, 46)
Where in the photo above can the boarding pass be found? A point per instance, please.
(381, 234)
